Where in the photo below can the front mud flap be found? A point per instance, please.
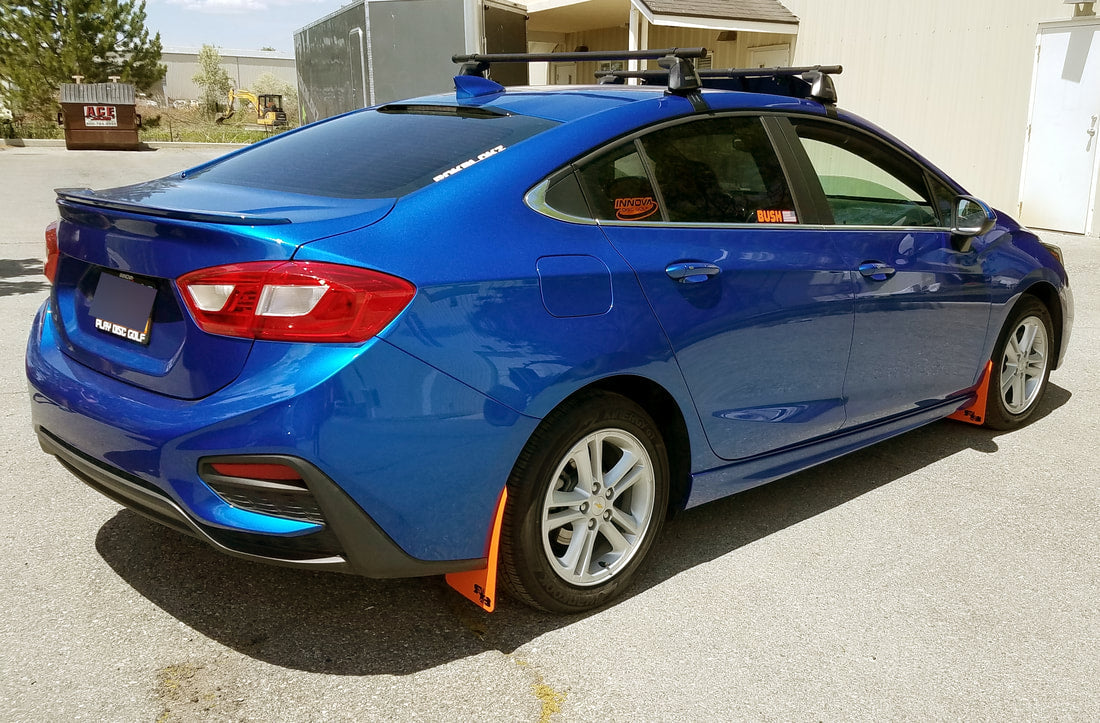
(974, 413)
(480, 586)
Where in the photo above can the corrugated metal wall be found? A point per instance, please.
(950, 77)
(243, 71)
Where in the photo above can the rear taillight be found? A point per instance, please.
(52, 253)
(294, 300)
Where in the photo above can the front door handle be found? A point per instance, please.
(691, 272)
(876, 270)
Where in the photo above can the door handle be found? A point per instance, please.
(876, 270)
(691, 272)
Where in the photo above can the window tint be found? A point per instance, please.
(865, 182)
(719, 170)
(945, 200)
(384, 153)
(618, 187)
(565, 196)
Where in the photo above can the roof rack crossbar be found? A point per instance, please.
(682, 77)
(590, 55)
(728, 72)
(817, 84)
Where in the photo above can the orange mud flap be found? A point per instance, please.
(480, 586)
(974, 413)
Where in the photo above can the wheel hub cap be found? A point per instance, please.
(599, 507)
(1024, 365)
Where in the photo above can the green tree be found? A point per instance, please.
(212, 78)
(43, 43)
(269, 83)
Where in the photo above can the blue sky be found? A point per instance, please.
(234, 24)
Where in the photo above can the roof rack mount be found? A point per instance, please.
(815, 81)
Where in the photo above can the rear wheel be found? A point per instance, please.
(586, 501)
(1021, 365)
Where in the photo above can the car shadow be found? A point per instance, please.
(11, 273)
(346, 625)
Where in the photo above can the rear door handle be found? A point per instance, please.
(691, 272)
(876, 270)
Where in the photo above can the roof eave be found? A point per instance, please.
(707, 23)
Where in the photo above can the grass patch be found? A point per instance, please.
(190, 125)
(187, 125)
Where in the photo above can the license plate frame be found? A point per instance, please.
(122, 307)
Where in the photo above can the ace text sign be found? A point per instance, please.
(103, 116)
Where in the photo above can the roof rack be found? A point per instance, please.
(679, 72)
(810, 81)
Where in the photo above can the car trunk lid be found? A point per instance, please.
(142, 238)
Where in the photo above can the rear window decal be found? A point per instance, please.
(466, 164)
(776, 216)
(635, 209)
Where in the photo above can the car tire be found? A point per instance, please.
(1021, 365)
(573, 537)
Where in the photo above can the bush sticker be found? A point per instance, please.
(773, 216)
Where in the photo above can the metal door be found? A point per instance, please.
(1059, 177)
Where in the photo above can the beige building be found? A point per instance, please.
(243, 66)
(964, 82)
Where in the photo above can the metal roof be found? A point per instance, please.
(753, 10)
(114, 93)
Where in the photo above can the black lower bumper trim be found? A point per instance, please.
(365, 548)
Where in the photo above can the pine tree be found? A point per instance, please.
(43, 43)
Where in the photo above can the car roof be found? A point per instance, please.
(569, 103)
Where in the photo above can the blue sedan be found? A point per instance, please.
(505, 333)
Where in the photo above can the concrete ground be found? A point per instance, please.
(948, 574)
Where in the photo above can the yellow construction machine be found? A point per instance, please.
(269, 108)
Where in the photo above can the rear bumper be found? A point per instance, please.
(352, 542)
(382, 440)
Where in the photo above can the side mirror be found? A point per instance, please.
(971, 218)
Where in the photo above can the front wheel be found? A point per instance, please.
(586, 501)
(1021, 365)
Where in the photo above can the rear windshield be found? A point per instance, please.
(384, 153)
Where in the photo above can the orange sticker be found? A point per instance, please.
(775, 216)
(635, 209)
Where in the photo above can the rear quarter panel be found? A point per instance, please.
(473, 249)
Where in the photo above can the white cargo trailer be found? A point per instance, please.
(376, 51)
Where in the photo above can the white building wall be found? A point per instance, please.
(950, 77)
(243, 66)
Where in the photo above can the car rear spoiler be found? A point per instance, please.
(88, 197)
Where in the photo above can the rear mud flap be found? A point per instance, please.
(480, 586)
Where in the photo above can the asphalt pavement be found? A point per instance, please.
(951, 573)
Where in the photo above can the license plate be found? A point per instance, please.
(123, 307)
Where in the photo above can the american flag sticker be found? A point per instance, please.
(776, 216)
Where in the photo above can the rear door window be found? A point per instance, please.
(719, 170)
(711, 171)
(385, 153)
